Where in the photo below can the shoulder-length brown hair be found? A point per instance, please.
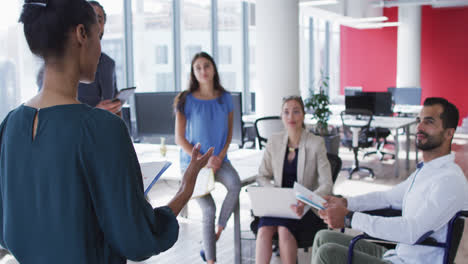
(179, 101)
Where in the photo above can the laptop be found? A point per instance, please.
(274, 202)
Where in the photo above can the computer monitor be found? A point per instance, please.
(405, 96)
(361, 101)
(379, 103)
(155, 115)
(382, 102)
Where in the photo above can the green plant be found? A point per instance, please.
(318, 103)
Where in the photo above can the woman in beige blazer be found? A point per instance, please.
(292, 155)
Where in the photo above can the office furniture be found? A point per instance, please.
(356, 126)
(245, 161)
(380, 135)
(380, 104)
(450, 245)
(391, 122)
(361, 101)
(265, 127)
(155, 116)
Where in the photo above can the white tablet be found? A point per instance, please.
(124, 94)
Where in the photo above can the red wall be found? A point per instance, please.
(444, 55)
(368, 57)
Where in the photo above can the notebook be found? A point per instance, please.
(160, 167)
(274, 202)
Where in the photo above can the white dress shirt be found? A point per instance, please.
(429, 198)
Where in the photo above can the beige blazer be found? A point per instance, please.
(313, 168)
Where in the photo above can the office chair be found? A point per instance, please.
(305, 239)
(265, 127)
(450, 246)
(380, 135)
(356, 135)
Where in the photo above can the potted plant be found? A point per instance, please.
(317, 104)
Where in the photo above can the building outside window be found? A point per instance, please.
(153, 46)
(195, 33)
(162, 54)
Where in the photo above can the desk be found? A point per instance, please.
(389, 122)
(245, 161)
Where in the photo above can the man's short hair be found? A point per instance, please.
(449, 114)
(96, 3)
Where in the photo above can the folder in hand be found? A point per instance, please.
(308, 197)
(160, 167)
(205, 183)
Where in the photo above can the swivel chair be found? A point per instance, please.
(356, 135)
(265, 127)
(380, 135)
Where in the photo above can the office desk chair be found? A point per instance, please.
(450, 246)
(265, 127)
(306, 239)
(380, 135)
(356, 135)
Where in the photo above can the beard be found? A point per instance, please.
(432, 141)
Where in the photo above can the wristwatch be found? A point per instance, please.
(348, 218)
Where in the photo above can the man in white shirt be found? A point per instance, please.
(428, 199)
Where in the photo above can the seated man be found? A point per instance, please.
(429, 198)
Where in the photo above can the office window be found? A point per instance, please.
(18, 67)
(164, 82)
(228, 80)
(230, 54)
(114, 37)
(162, 55)
(114, 47)
(195, 32)
(252, 46)
(153, 46)
(225, 55)
(190, 51)
(252, 55)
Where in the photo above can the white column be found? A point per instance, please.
(409, 47)
(277, 51)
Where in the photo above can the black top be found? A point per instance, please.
(289, 170)
(104, 86)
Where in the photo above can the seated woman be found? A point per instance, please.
(292, 155)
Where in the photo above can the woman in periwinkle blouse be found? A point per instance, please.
(204, 113)
(70, 182)
(292, 155)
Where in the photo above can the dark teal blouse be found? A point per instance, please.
(74, 193)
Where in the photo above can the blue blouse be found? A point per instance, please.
(74, 193)
(207, 124)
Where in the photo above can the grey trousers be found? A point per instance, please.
(227, 176)
(332, 247)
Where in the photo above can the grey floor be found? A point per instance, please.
(187, 248)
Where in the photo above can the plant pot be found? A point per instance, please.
(332, 143)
